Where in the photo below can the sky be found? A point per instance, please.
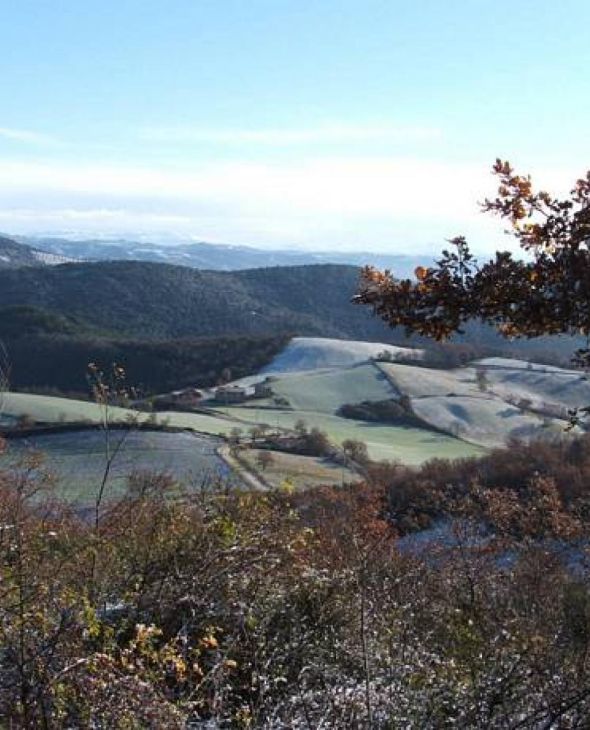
(316, 124)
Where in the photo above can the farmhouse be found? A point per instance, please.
(187, 398)
(263, 389)
(231, 394)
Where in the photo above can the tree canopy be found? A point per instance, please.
(547, 291)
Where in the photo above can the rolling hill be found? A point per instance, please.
(148, 300)
(313, 353)
(222, 257)
(143, 300)
(14, 255)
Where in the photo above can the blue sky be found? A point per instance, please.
(365, 124)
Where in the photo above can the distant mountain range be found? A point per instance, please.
(220, 257)
(14, 255)
(154, 301)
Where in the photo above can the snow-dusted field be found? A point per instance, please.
(327, 391)
(486, 421)
(518, 400)
(394, 443)
(420, 382)
(564, 387)
(55, 410)
(311, 353)
(47, 409)
(507, 363)
(314, 377)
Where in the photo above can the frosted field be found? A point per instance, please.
(410, 445)
(406, 444)
(448, 401)
(328, 391)
(47, 409)
(54, 410)
(421, 382)
(513, 364)
(77, 459)
(311, 353)
(484, 421)
(563, 387)
(201, 422)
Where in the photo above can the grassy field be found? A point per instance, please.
(312, 353)
(406, 444)
(326, 392)
(410, 445)
(300, 471)
(77, 459)
(57, 410)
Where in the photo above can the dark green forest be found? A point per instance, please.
(134, 302)
(59, 362)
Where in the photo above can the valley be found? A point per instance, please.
(438, 414)
(294, 366)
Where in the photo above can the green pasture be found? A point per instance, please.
(406, 444)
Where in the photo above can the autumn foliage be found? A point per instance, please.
(280, 610)
(546, 292)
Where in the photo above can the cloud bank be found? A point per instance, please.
(383, 203)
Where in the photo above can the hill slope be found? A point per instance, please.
(313, 353)
(222, 257)
(14, 255)
(158, 300)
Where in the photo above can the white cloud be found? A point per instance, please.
(400, 203)
(101, 216)
(326, 134)
(26, 136)
(333, 186)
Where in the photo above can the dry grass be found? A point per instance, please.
(300, 471)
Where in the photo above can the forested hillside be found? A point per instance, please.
(13, 254)
(218, 256)
(44, 350)
(144, 300)
(158, 300)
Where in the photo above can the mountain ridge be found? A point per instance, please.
(149, 300)
(14, 254)
(217, 256)
(161, 300)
